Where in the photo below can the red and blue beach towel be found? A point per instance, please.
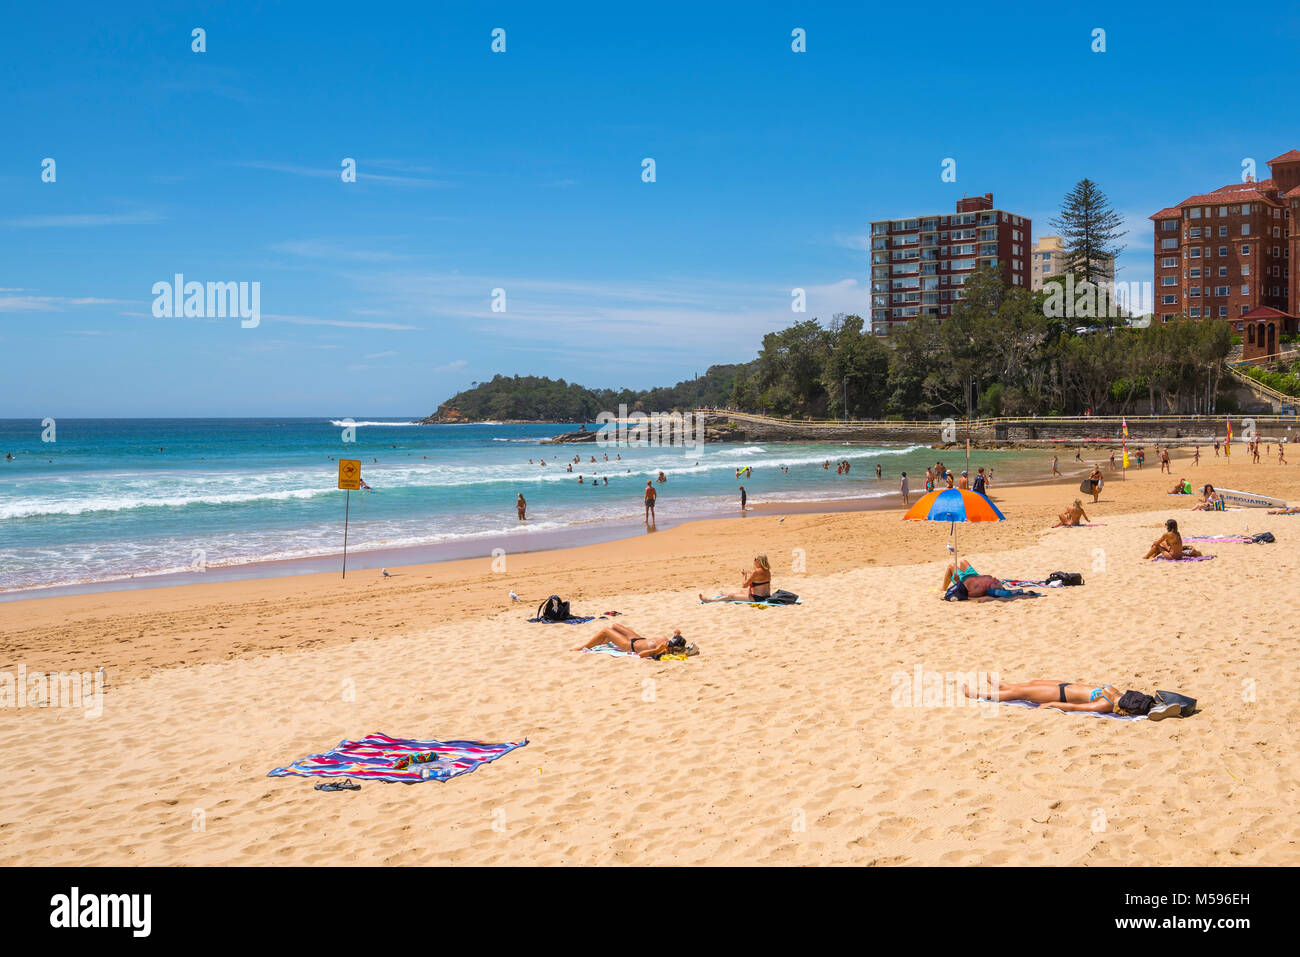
(377, 757)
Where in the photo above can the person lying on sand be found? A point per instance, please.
(1170, 545)
(625, 639)
(985, 588)
(1074, 515)
(1066, 696)
(957, 572)
(757, 583)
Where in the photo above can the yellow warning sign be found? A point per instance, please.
(350, 474)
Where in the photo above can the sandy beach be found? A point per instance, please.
(786, 741)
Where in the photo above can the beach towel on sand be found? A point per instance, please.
(1090, 714)
(571, 620)
(377, 757)
(1242, 539)
(756, 604)
(609, 649)
(1185, 558)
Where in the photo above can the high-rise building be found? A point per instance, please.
(1227, 253)
(919, 265)
(1047, 259)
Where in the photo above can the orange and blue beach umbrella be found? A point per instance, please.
(953, 505)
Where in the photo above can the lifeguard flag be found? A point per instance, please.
(1227, 445)
(1124, 424)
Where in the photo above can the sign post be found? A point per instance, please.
(349, 479)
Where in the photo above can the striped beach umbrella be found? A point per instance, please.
(953, 505)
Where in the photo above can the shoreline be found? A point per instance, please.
(550, 540)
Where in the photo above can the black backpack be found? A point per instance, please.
(553, 609)
(782, 597)
(1066, 578)
(1262, 538)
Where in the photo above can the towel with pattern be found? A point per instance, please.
(377, 757)
(1243, 539)
(571, 620)
(1091, 714)
(609, 649)
(754, 604)
(1185, 558)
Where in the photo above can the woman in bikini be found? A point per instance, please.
(1170, 545)
(1074, 515)
(757, 583)
(1061, 695)
(625, 639)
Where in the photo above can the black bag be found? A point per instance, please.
(1066, 578)
(553, 609)
(1262, 538)
(1173, 697)
(1135, 702)
(782, 597)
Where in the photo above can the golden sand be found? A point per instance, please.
(785, 741)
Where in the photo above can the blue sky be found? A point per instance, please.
(522, 171)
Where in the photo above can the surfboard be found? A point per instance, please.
(1086, 486)
(1248, 499)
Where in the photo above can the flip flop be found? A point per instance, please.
(344, 785)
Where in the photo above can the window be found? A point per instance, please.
(1223, 251)
(1223, 271)
(1194, 252)
(1194, 312)
(1168, 280)
(1223, 210)
(1245, 229)
(1169, 262)
(1168, 244)
(1168, 300)
(1245, 249)
(1223, 231)
(1195, 272)
(1245, 289)
(1194, 232)
(1221, 292)
(1245, 269)
(1223, 312)
(1168, 224)
(1245, 209)
(1194, 213)
(1194, 292)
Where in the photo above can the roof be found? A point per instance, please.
(1294, 192)
(1265, 312)
(1234, 192)
(1169, 212)
(1290, 156)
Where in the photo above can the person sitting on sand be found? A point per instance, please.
(757, 583)
(1183, 487)
(625, 639)
(1074, 515)
(1068, 696)
(1170, 545)
(1210, 499)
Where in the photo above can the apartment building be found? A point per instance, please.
(1047, 259)
(1227, 253)
(919, 264)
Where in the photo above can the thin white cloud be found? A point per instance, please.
(362, 174)
(381, 355)
(53, 303)
(451, 366)
(341, 323)
(82, 220)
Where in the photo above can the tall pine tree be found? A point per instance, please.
(1090, 229)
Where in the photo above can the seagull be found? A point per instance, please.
(780, 520)
(384, 572)
(513, 596)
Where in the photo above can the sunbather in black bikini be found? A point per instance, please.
(625, 639)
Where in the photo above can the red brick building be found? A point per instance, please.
(1225, 253)
(919, 265)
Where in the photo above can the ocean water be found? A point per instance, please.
(112, 500)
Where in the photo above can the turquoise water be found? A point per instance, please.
(112, 499)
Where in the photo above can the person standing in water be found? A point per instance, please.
(650, 496)
(743, 497)
(903, 488)
(521, 506)
(878, 473)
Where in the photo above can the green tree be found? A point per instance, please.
(1090, 228)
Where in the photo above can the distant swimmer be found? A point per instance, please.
(878, 474)
(662, 477)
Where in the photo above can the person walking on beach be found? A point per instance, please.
(947, 477)
(964, 481)
(981, 483)
(929, 480)
(521, 506)
(903, 489)
(1055, 471)
(743, 498)
(1196, 455)
(1281, 454)
(1096, 481)
(1112, 460)
(650, 496)
(1164, 462)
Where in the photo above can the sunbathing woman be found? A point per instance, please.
(1074, 515)
(757, 583)
(1065, 696)
(1210, 500)
(625, 639)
